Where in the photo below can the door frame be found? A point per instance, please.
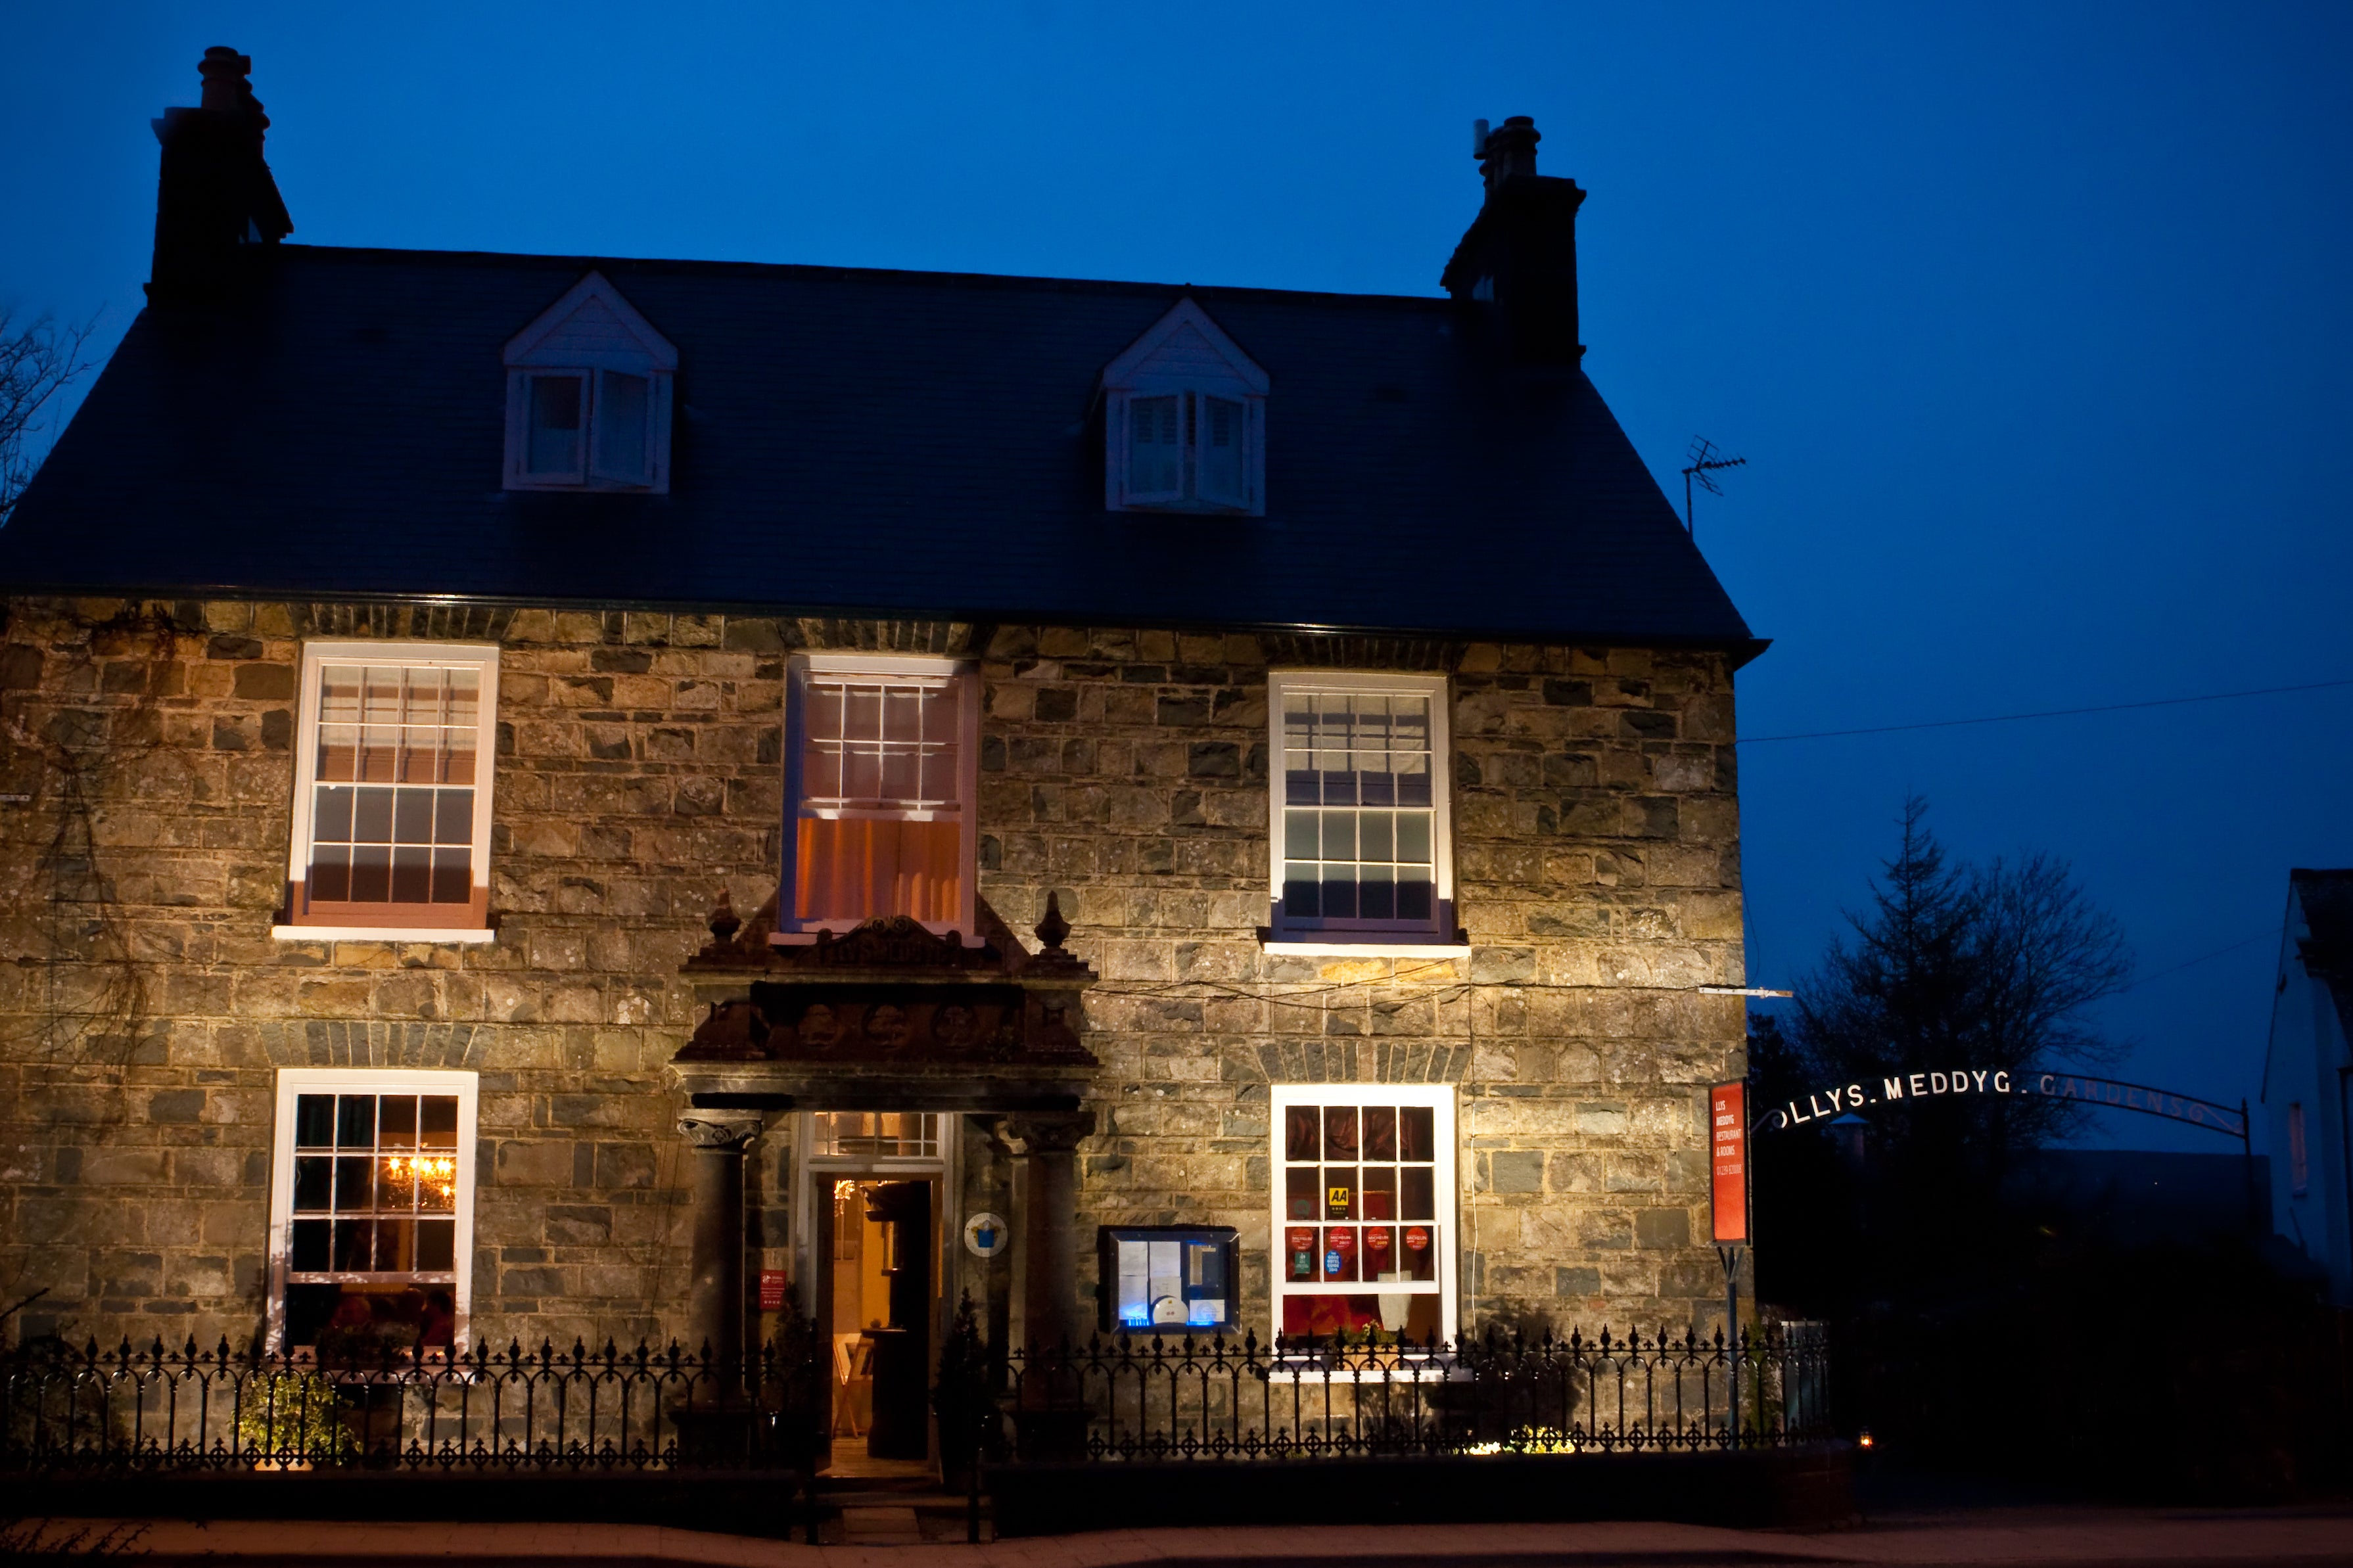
(814, 1262)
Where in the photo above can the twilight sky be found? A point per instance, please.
(2032, 321)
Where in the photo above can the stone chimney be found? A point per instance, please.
(1518, 258)
(215, 202)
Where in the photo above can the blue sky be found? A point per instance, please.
(2032, 321)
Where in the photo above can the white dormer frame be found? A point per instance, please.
(622, 369)
(1187, 358)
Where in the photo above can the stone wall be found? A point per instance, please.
(145, 756)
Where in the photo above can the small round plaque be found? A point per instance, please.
(984, 1235)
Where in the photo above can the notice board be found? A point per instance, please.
(1727, 1159)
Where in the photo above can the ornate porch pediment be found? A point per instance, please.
(887, 1015)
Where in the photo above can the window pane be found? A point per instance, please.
(371, 873)
(1417, 1194)
(1339, 834)
(622, 401)
(903, 714)
(314, 1122)
(1413, 838)
(1380, 1192)
(412, 816)
(331, 815)
(395, 1182)
(308, 1254)
(437, 1121)
(1303, 1195)
(331, 874)
(1415, 1140)
(371, 815)
(1299, 836)
(1303, 890)
(394, 1245)
(396, 1121)
(1380, 1132)
(1303, 1133)
(1340, 892)
(940, 714)
(1340, 1132)
(314, 1184)
(553, 442)
(1221, 451)
(1299, 1252)
(437, 1246)
(1379, 1244)
(453, 817)
(1420, 1250)
(1340, 1192)
(355, 1122)
(1339, 1252)
(1155, 447)
(354, 1247)
(453, 876)
(823, 711)
(861, 713)
(355, 1185)
(1375, 893)
(1417, 900)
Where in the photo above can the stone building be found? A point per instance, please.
(558, 796)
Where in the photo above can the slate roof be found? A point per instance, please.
(856, 442)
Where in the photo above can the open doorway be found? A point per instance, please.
(875, 1186)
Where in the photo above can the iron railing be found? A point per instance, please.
(1187, 1398)
(514, 1410)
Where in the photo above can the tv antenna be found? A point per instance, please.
(1704, 459)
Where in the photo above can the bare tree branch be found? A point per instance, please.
(39, 361)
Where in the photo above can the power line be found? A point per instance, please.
(2045, 713)
(2192, 963)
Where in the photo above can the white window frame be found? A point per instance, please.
(1165, 362)
(577, 472)
(1446, 1244)
(544, 349)
(470, 924)
(295, 1082)
(1313, 936)
(961, 675)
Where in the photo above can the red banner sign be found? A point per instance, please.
(1727, 1159)
(772, 1290)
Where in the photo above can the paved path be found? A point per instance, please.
(2076, 1537)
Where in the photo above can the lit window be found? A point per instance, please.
(1360, 826)
(589, 396)
(1185, 416)
(877, 1134)
(393, 786)
(372, 1210)
(1364, 1211)
(1159, 1279)
(884, 759)
(2299, 1164)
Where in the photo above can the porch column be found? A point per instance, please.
(1050, 1245)
(715, 1302)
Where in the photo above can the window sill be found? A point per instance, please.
(475, 935)
(1370, 947)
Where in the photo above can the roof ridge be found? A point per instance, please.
(691, 266)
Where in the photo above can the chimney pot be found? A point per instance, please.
(1508, 151)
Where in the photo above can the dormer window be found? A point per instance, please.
(1185, 420)
(588, 392)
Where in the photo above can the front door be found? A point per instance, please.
(873, 1181)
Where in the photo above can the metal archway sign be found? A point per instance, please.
(1846, 1098)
